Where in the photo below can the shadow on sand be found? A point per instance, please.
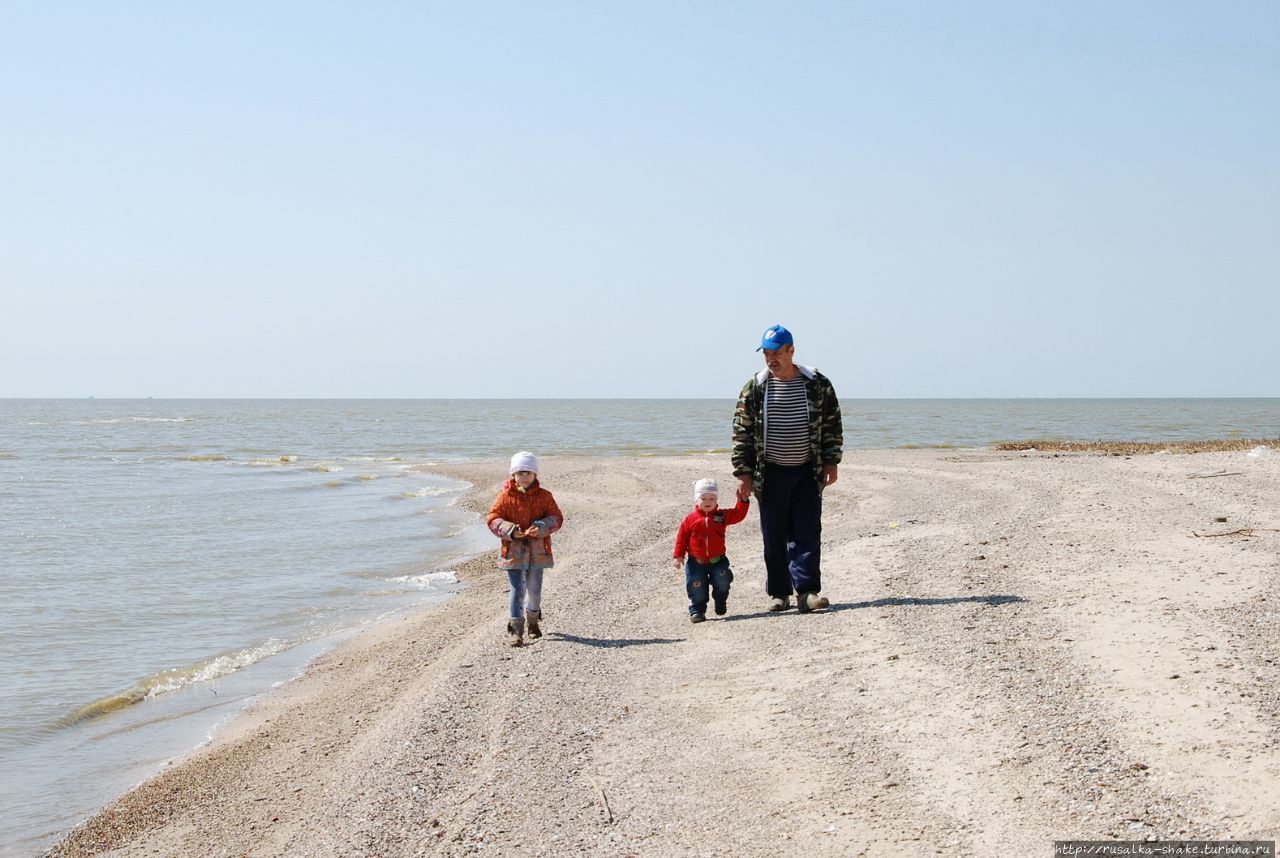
(611, 643)
(893, 602)
(908, 601)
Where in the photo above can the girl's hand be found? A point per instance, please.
(677, 562)
(533, 531)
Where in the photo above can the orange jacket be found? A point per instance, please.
(513, 509)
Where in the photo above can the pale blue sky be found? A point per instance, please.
(614, 199)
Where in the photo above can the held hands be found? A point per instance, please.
(830, 473)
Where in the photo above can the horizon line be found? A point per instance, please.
(92, 398)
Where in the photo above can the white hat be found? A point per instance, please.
(705, 487)
(524, 461)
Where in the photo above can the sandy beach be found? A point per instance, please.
(1022, 647)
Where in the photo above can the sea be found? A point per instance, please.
(165, 562)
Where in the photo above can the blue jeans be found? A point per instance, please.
(526, 591)
(791, 524)
(701, 577)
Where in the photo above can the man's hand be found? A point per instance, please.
(745, 483)
(829, 474)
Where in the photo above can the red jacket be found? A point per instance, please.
(701, 533)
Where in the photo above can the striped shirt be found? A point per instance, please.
(786, 421)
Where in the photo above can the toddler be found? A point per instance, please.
(701, 536)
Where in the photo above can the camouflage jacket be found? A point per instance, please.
(826, 432)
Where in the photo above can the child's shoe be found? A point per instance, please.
(515, 630)
(721, 606)
(779, 603)
(532, 619)
(697, 617)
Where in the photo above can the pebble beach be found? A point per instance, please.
(1022, 647)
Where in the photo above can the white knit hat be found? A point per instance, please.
(705, 487)
(524, 461)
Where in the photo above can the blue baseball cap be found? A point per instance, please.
(774, 338)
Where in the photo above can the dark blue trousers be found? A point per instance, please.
(791, 523)
(701, 577)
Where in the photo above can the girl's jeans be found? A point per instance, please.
(526, 591)
(701, 577)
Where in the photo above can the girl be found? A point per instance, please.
(523, 516)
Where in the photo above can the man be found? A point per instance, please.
(787, 444)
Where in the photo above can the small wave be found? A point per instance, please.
(368, 477)
(104, 706)
(271, 463)
(324, 469)
(210, 457)
(445, 576)
(4, 455)
(463, 527)
(334, 484)
(143, 724)
(111, 421)
(172, 680)
(424, 492)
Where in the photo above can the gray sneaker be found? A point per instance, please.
(806, 602)
(779, 603)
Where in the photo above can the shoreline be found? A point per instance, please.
(955, 575)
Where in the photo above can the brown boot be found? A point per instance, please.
(533, 619)
(807, 602)
(515, 630)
